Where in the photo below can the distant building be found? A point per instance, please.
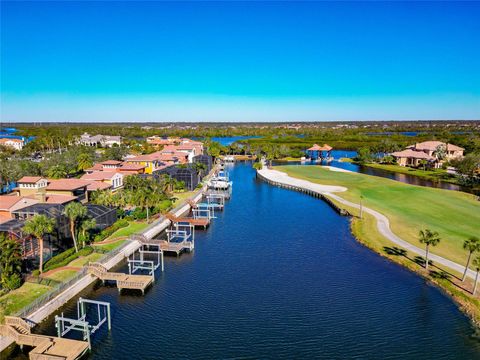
(14, 143)
(319, 152)
(100, 140)
(415, 155)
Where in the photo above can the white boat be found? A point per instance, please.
(218, 184)
(229, 158)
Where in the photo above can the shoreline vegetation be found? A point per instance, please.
(366, 233)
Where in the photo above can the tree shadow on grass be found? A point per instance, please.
(436, 272)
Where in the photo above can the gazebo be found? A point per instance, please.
(319, 152)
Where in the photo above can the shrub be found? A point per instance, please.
(102, 235)
(66, 257)
(12, 282)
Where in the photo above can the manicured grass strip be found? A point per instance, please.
(19, 298)
(455, 215)
(80, 262)
(110, 246)
(63, 275)
(180, 197)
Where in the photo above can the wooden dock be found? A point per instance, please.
(123, 281)
(168, 246)
(196, 222)
(44, 347)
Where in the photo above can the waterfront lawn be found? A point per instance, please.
(181, 197)
(429, 174)
(62, 275)
(455, 215)
(19, 298)
(110, 246)
(82, 261)
(133, 228)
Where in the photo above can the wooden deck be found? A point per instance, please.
(123, 281)
(164, 245)
(199, 222)
(44, 347)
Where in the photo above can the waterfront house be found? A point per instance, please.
(61, 238)
(14, 143)
(153, 162)
(415, 155)
(122, 167)
(112, 178)
(69, 187)
(11, 203)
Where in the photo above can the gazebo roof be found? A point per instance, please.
(317, 147)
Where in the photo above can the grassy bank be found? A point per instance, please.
(429, 174)
(366, 232)
(455, 215)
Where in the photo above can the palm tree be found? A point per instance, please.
(85, 226)
(84, 161)
(476, 264)
(10, 262)
(423, 162)
(429, 238)
(38, 226)
(472, 245)
(75, 212)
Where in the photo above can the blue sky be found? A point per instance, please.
(234, 61)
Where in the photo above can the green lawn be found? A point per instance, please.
(80, 262)
(63, 275)
(19, 298)
(455, 215)
(129, 230)
(180, 197)
(111, 246)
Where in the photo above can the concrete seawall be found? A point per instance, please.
(84, 280)
(310, 192)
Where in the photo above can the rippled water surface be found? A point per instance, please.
(278, 275)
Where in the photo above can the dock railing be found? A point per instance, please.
(50, 295)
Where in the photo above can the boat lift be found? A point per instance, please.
(203, 213)
(64, 325)
(135, 264)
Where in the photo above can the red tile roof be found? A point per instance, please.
(99, 175)
(7, 201)
(67, 184)
(98, 185)
(433, 144)
(409, 153)
(317, 147)
(29, 179)
(59, 199)
(111, 162)
(127, 167)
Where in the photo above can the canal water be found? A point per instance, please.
(278, 276)
(405, 178)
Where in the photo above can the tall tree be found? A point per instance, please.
(428, 238)
(84, 161)
(472, 245)
(476, 264)
(75, 212)
(10, 262)
(38, 226)
(85, 227)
